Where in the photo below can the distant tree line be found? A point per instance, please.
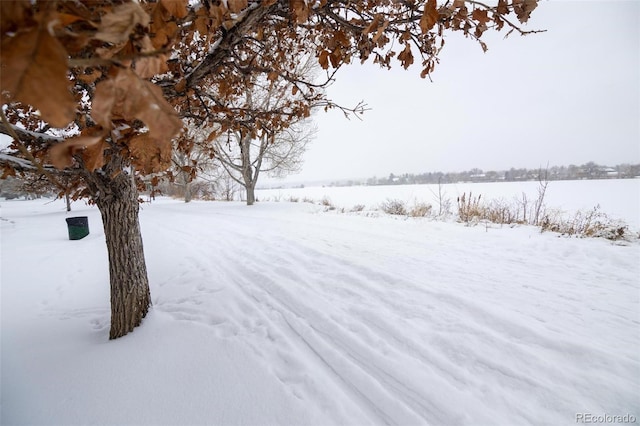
(589, 170)
(221, 188)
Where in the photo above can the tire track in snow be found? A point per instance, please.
(296, 293)
(346, 357)
(485, 326)
(497, 330)
(365, 388)
(382, 377)
(480, 322)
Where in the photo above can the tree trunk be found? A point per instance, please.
(247, 172)
(249, 184)
(251, 195)
(68, 200)
(130, 296)
(187, 192)
(117, 199)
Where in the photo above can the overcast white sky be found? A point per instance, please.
(567, 96)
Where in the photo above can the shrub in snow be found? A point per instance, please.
(592, 223)
(473, 209)
(396, 207)
(469, 208)
(420, 210)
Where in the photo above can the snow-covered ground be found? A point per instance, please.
(284, 314)
(617, 198)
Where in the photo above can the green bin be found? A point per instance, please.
(78, 227)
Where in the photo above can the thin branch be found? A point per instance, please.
(224, 165)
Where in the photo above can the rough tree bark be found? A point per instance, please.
(251, 194)
(188, 195)
(67, 199)
(247, 170)
(249, 185)
(116, 196)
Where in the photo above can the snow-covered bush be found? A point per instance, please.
(420, 210)
(395, 207)
(592, 223)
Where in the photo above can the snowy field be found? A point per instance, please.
(618, 198)
(282, 314)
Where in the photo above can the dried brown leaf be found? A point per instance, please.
(335, 58)
(380, 31)
(406, 56)
(91, 77)
(110, 51)
(181, 86)
(300, 10)
(481, 16)
(177, 8)
(104, 99)
(430, 16)
(93, 155)
(236, 6)
(148, 154)
(323, 59)
(373, 25)
(213, 135)
(7, 171)
(217, 13)
(65, 19)
(164, 34)
(503, 7)
(61, 155)
(116, 26)
(523, 9)
(13, 14)
(341, 39)
(129, 96)
(34, 63)
(148, 66)
(202, 24)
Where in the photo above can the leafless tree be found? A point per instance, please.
(247, 152)
(244, 158)
(192, 160)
